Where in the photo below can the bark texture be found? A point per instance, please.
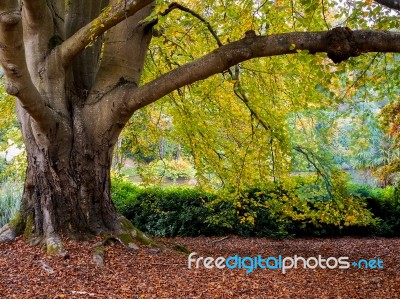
(69, 141)
(74, 68)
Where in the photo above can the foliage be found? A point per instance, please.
(10, 199)
(166, 275)
(171, 169)
(236, 126)
(278, 210)
(390, 123)
(384, 203)
(246, 130)
(124, 193)
(163, 212)
(10, 138)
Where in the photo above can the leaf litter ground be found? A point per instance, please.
(27, 272)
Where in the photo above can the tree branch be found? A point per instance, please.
(241, 95)
(339, 44)
(394, 4)
(314, 161)
(86, 64)
(34, 10)
(125, 47)
(12, 59)
(57, 10)
(111, 15)
(38, 29)
(175, 5)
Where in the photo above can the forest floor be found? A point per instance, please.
(147, 273)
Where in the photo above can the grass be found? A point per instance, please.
(10, 200)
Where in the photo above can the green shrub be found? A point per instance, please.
(173, 211)
(163, 212)
(276, 210)
(384, 204)
(124, 194)
(247, 213)
(10, 199)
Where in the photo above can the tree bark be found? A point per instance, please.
(67, 188)
(69, 143)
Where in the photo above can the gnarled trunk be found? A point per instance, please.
(67, 107)
(67, 187)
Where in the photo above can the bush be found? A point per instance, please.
(10, 199)
(276, 210)
(173, 211)
(124, 194)
(163, 212)
(384, 204)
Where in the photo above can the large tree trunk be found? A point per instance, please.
(68, 133)
(67, 188)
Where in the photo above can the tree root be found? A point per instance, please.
(127, 235)
(98, 254)
(8, 233)
(54, 245)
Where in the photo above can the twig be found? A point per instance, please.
(218, 240)
(164, 264)
(82, 293)
(46, 267)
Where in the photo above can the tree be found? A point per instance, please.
(75, 69)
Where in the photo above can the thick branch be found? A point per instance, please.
(125, 47)
(12, 59)
(38, 30)
(111, 15)
(34, 10)
(394, 4)
(85, 65)
(57, 10)
(339, 43)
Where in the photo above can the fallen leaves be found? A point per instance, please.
(148, 273)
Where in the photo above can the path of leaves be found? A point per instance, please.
(148, 274)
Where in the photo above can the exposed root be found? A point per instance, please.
(218, 240)
(131, 233)
(54, 245)
(181, 248)
(8, 233)
(128, 237)
(98, 254)
(11, 230)
(99, 248)
(46, 267)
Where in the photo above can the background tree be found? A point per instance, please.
(75, 69)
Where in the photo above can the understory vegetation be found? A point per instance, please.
(295, 207)
(285, 209)
(10, 199)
